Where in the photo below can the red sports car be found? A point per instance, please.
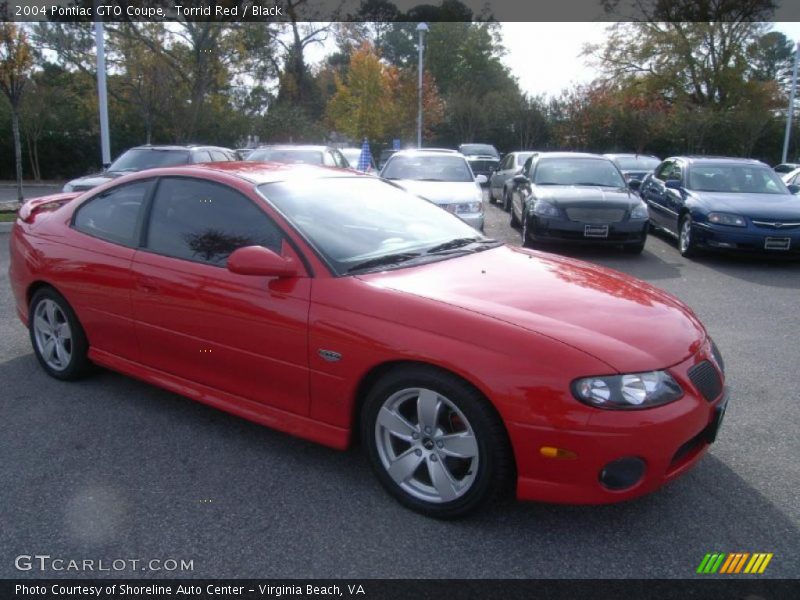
(335, 306)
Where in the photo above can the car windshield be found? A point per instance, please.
(287, 155)
(578, 171)
(736, 179)
(637, 163)
(522, 157)
(360, 223)
(428, 168)
(139, 159)
(482, 149)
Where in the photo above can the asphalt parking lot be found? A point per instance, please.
(111, 468)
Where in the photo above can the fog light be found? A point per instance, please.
(622, 473)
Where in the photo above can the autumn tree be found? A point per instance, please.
(16, 63)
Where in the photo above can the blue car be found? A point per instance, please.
(732, 204)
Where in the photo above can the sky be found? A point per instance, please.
(545, 57)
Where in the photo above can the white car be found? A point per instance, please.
(444, 178)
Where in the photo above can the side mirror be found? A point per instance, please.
(257, 260)
(481, 179)
(635, 184)
(520, 180)
(794, 188)
(673, 184)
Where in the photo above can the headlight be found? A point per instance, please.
(68, 187)
(544, 209)
(640, 212)
(726, 219)
(636, 390)
(466, 207)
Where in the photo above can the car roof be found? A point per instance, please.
(258, 172)
(613, 155)
(541, 155)
(190, 147)
(294, 147)
(427, 152)
(718, 160)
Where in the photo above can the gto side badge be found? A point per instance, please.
(329, 355)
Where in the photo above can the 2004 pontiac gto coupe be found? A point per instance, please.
(334, 306)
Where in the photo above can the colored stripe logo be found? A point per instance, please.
(734, 563)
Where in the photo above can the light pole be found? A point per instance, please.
(105, 147)
(422, 28)
(791, 105)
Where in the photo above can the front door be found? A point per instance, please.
(245, 335)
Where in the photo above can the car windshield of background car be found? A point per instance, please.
(309, 157)
(735, 179)
(353, 219)
(141, 159)
(578, 171)
(428, 168)
(636, 163)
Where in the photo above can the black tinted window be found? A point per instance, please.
(204, 222)
(114, 214)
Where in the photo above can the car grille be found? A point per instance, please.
(706, 379)
(777, 225)
(596, 215)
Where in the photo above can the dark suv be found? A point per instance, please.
(483, 158)
(151, 157)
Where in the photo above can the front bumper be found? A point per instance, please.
(669, 440)
(557, 229)
(747, 239)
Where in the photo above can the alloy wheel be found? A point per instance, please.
(53, 335)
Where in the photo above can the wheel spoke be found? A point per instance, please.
(442, 480)
(42, 326)
(395, 424)
(61, 354)
(48, 349)
(459, 445)
(50, 311)
(405, 465)
(428, 409)
(64, 332)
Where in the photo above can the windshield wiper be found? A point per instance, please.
(380, 261)
(459, 243)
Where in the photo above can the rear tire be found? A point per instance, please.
(58, 339)
(434, 442)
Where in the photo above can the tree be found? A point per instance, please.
(364, 103)
(16, 63)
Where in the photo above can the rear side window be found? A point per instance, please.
(219, 156)
(114, 215)
(201, 221)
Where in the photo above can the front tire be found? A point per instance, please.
(434, 442)
(506, 200)
(687, 245)
(633, 248)
(58, 339)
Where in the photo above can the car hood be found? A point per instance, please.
(624, 322)
(763, 206)
(442, 192)
(565, 195)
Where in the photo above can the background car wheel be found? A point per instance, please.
(435, 443)
(514, 221)
(492, 199)
(527, 242)
(58, 339)
(507, 201)
(686, 242)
